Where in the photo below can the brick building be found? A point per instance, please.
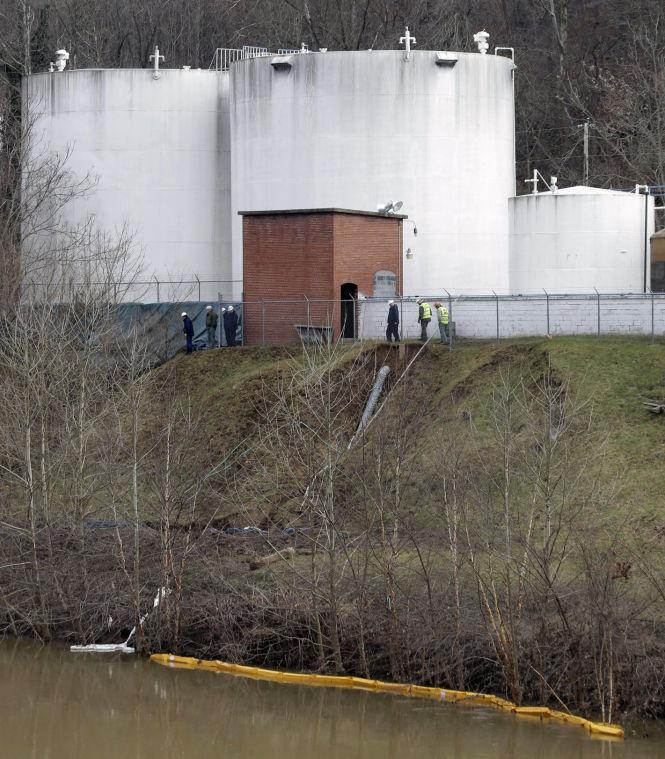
(321, 261)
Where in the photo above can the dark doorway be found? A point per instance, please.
(349, 297)
(657, 276)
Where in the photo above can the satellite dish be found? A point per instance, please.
(397, 206)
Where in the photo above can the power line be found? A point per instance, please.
(538, 130)
(591, 155)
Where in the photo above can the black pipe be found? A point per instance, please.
(646, 236)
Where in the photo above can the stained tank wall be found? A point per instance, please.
(160, 151)
(579, 239)
(356, 129)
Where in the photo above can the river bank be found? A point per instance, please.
(74, 706)
(499, 528)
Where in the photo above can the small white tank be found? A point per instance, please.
(159, 149)
(578, 239)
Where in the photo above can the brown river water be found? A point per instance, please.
(59, 705)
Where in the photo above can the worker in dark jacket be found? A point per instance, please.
(424, 317)
(230, 326)
(392, 332)
(211, 326)
(188, 331)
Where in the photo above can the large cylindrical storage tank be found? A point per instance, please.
(358, 129)
(159, 150)
(580, 239)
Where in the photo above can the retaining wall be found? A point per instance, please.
(528, 316)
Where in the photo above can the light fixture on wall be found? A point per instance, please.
(409, 254)
(415, 228)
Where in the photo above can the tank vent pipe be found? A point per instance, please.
(407, 40)
(155, 58)
(61, 58)
(481, 39)
(373, 399)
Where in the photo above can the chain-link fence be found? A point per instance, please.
(271, 322)
(148, 291)
(305, 320)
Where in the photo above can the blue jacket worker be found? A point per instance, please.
(392, 332)
(188, 331)
(230, 326)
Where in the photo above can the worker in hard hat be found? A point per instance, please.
(424, 317)
(188, 331)
(392, 331)
(211, 326)
(230, 326)
(443, 318)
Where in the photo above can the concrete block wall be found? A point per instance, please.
(525, 317)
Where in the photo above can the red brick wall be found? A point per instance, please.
(289, 256)
(364, 245)
(285, 257)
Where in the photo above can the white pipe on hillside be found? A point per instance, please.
(379, 382)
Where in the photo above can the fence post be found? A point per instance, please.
(219, 318)
(198, 282)
(156, 280)
(401, 317)
(496, 298)
(309, 315)
(653, 331)
(598, 301)
(263, 322)
(547, 300)
(450, 320)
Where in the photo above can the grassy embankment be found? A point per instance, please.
(368, 584)
(225, 388)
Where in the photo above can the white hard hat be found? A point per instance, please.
(230, 308)
(391, 302)
(184, 313)
(223, 309)
(420, 300)
(208, 308)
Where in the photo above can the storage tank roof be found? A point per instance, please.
(577, 190)
(300, 211)
(584, 190)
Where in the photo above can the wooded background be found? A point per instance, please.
(576, 59)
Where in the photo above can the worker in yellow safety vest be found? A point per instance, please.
(442, 314)
(424, 317)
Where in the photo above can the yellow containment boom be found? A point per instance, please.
(400, 689)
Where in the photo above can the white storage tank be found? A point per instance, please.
(358, 129)
(580, 238)
(159, 148)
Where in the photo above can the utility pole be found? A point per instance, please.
(586, 126)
